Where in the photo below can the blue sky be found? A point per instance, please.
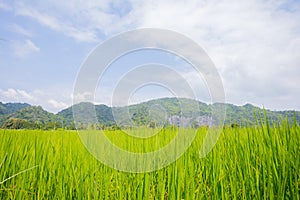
(255, 46)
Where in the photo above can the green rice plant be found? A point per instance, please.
(259, 162)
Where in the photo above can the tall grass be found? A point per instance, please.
(246, 163)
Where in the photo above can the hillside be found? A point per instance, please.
(103, 112)
(159, 112)
(8, 108)
(34, 114)
(30, 116)
(182, 112)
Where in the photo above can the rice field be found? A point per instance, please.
(246, 163)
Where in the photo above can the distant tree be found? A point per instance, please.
(195, 124)
(115, 127)
(81, 126)
(234, 125)
(48, 126)
(15, 123)
(38, 125)
(152, 125)
(140, 118)
(90, 126)
(71, 126)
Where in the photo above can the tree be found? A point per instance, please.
(152, 125)
(15, 123)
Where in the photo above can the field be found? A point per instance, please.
(246, 163)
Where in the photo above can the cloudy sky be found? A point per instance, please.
(255, 45)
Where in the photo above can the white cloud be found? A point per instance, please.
(57, 105)
(23, 94)
(36, 97)
(16, 95)
(25, 48)
(52, 22)
(78, 97)
(254, 44)
(19, 29)
(4, 6)
(10, 93)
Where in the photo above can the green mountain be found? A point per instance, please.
(8, 108)
(159, 112)
(30, 117)
(173, 111)
(34, 114)
(103, 113)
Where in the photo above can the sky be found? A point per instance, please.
(255, 46)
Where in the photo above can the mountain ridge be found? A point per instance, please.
(8, 108)
(172, 111)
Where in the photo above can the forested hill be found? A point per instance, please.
(30, 117)
(166, 111)
(8, 108)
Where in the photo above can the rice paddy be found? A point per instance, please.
(259, 162)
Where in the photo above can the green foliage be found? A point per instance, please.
(15, 123)
(140, 114)
(34, 114)
(8, 108)
(103, 113)
(234, 125)
(32, 117)
(260, 162)
(140, 118)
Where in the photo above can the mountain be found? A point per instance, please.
(173, 111)
(8, 108)
(103, 113)
(30, 116)
(34, 114)
(158, 112)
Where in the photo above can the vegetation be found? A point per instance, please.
(9, 108)
(258, 162)
(32, 117)
(15, 123)
(195, 114)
